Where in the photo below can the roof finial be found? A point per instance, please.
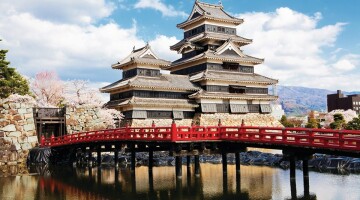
(133, 48)
(147, 44)
(220, 3)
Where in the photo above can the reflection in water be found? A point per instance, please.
(161, 183)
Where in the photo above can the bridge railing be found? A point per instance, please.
(323, 138)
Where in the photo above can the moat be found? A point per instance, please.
(254, 182)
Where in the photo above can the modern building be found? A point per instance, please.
(340, 101)
(213, 75)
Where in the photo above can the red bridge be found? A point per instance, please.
(296, 143)
(336, 140)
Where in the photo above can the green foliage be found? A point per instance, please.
(353, 124)
(11, 81)
(339, 122)
(312, 123)
(285, 122)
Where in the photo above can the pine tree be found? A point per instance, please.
(354, 124)
(11, 81)
(339, 122)
(312, 123)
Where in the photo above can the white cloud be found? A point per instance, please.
(64, 11)
(161, 46)
(166, 10)
(347, 62)
(73, 50)
(293, 46)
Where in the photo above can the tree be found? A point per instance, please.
(78, 92)
(11, 82)
(284, 121)
(48, 89)
(339, 122)
(313, 123)
(353, 124)
(348, 116)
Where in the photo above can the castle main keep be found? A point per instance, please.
(214, 79)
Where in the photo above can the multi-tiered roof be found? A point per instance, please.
(213, 75)
(213, 58)
(144, 88)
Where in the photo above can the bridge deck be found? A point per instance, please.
(343, 140)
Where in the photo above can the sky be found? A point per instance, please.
(310, 43)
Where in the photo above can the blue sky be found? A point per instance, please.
(312, 43)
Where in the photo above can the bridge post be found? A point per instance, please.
(188, 162)
(133, 159)
(178, 166)
(173, 131)
(116, 155)
(99, 156)
(306, 177)
(151, 158)
(197, 165)
(292, 168)
(90, 157)
(237, 162)
(224, 162)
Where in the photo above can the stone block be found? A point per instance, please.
(28, 115)
(29, 110)
(6, 106)
(12, 105)
(2, 134)
(14, 134)
(26, 146)
(30, 121)
(4, 123)
(9, 128)
(19, 128)
(15, 147)
(13, 112)
(29, 127)
(18, 117)
(22, 111)
(32, 139)
(29, 133)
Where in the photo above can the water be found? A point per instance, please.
(253, 183)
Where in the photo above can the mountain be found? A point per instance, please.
(299, 100)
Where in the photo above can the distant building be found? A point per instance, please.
(340, 101)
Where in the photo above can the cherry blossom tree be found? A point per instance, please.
(48, 89)
(78, 92)
(348, 116)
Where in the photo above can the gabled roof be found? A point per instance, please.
(153, 102)
(142, 55)
(189, 45)
(165, 82)
(210, 35)
(210, 54)
(223, 95)
(236, 77)
(203, 10)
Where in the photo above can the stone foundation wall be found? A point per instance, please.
(17, 132)
(80, 119)
(250, 119)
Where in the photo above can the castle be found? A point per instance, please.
(214, 79)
